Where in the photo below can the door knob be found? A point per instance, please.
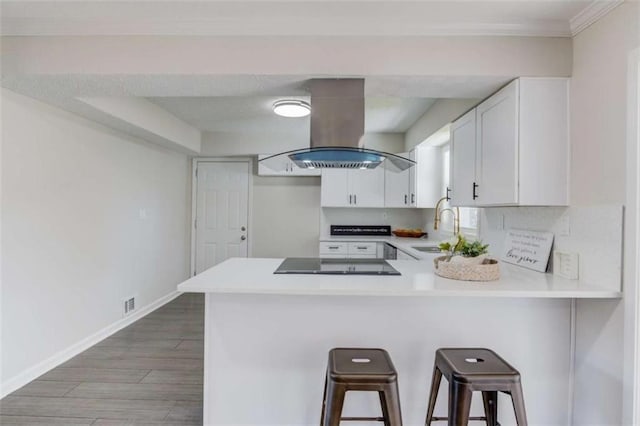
(243, 238)
(243, 229)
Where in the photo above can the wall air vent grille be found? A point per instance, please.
(129, 305)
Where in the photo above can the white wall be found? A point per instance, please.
(242, 144)
(89, 217)
(598, 106)
(338, 55)
(286, 216)
(386, 142)
(598, 175)
(442, 112)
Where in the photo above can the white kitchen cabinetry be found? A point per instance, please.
(513, 148)
(397, 187)
(348, 250)
(462, 159)
(418, 186)
(352, 188)
(286, 168)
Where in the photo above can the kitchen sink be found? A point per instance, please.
(427, 249)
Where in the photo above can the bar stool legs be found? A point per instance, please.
(433, 395)
(490, 401)
(474, 369)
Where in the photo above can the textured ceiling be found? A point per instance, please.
(254, 114)
(231, 103)
(243, 102)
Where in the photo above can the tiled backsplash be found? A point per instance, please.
(594, 232)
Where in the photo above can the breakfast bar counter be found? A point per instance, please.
(267, 337)
(255, 276)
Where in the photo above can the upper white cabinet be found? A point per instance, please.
(397, 191)
(352, 188)
(287, 168)
(425, 178)
(418, 186)
(513, 148)
(462, 158)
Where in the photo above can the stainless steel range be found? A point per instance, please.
(312, 265)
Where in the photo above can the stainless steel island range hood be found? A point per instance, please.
(337, 130)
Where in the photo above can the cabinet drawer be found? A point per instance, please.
(363, 248)
(327, 247)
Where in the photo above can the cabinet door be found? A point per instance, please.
(334, 190)
(497, 144)
(462, 167)
(367, 187)
(426, 185)
(396, 186)
(412, 179)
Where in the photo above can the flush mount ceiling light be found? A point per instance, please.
(291, 108)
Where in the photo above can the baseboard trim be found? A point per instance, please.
(39, 369)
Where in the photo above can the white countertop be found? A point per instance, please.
(404, 244)
(255, 276)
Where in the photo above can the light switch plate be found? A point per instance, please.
(565, 264)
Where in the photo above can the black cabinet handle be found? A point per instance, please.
(405, 199)
(350, 198)
(475, 186)
(413, 198)
(448, 191)
(355, 200)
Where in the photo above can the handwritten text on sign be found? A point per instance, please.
(529, 249)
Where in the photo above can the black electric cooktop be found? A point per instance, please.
(314, 265)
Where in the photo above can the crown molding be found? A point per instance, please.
(592, 13)
(44, 27)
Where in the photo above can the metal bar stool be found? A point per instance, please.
(360, 369)
(474, 369)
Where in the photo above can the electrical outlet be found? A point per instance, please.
(565, 265)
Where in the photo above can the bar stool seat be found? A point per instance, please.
(474, 369)
(360, 369)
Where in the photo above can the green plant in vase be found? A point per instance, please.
(461, 250)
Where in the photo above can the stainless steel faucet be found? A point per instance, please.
(456, 216)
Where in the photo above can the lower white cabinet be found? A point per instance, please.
(352, 188)
(349, 250)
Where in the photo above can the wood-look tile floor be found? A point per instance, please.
(147, 374)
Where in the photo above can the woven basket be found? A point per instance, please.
(489, 270)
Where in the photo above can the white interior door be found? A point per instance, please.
(222, 211)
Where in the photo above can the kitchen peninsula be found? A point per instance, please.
(267, 336)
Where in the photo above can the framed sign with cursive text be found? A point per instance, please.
(529, 249)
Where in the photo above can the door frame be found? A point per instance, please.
(194, 199)
(631, 280)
